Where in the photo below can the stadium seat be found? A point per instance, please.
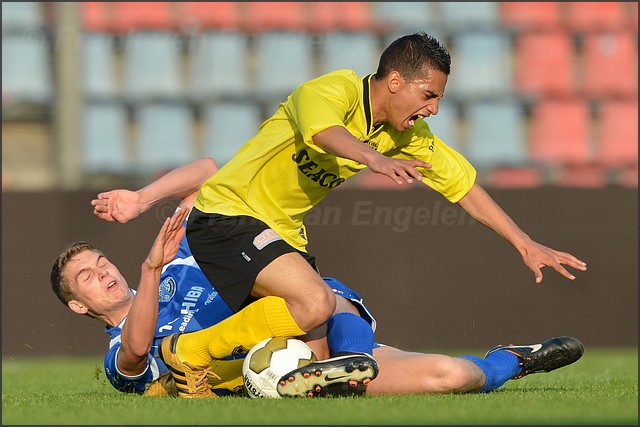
(26, 69)
(21, 16)
(98, 66)
(274, 16)
(595, 16)
(588, 175)
(340, 16)
(227, 126)
(530, 15)
(104, 138)
(406, 17)
(194, 16)
(469, 15)
(362, 55)
(482, 64)
(538, 52)
(495, 135)
(617, 141)
(283, 62)
(138, 16)
(165, 139)
(446, 125)
(559, 132)
(513, 177)
(610, 64)
(152, 66)
(218, 67)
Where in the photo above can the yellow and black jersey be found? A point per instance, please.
(280, 174)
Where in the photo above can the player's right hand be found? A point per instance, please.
(117, 205)
(399, 170)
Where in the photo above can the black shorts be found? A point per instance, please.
(232, 250)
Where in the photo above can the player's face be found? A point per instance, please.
(96, 282)
(416, 99)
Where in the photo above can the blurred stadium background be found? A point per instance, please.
(97, 94)
(543, 99)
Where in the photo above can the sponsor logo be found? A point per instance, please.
(263, 239)
(535, 347)
(314, 172)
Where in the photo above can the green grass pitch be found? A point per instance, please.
(601, 388)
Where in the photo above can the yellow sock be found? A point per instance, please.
(265, 318)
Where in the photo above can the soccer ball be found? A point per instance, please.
(269, 360)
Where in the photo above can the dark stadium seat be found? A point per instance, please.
(530, 15)
(152, 66)
(446, 124)
(283, 62)
(227, 126)
(405, 17)
(362, 55)
(469, 15)
(164, 137)
(104, 138)
(610, 64)
(513, 177)
(559, 131)
(595, 16)
(495, 134)
(98, 66)
(194, 16)
(544, 63)
(482, 64)
(26, 69)
(21, 16)
(217, 64)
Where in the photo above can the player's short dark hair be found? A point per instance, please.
(412, 55)
(60, 283)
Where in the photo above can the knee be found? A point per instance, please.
(315, 308)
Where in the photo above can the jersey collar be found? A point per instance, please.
(366, 101)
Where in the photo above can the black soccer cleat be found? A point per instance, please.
(342, 375)
(544, 357)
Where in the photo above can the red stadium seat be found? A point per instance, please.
(96, 16)
(194, 15)
(589, 175)
(610, 64)
(270, 16)
(544, 63)
(595, 16)
(134, 16)
(617, 142)
(530, 15)
(559, 132)
(509, 177)
(340, 16)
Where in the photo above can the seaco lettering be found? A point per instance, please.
(310, 169)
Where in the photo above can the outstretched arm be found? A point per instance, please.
(483, 208)
(139, 330)
(184, 182)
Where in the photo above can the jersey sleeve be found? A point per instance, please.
(126, 383)
(451, 174)
(323, 103)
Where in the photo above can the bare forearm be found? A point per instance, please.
(484, 209)
(138, 331)
(338, 141)
(181, 182)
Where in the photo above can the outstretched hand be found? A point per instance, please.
(399, 170)
(537, 256)
(165, 246)
(118, 205)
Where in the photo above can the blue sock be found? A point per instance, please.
(499, 367)
(348, 332)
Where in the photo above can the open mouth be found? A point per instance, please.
(111, 284)
(413, 119)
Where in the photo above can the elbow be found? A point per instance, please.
(211, 165)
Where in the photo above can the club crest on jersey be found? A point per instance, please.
(167, 289)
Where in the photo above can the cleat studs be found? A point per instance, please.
(306, 374)
(291, 379)
(318, 389)
(309, 394)
(353, 383)
(366, 381)
(283, 383)
(318, 373)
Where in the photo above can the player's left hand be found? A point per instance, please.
(165, 246)
(537, 256)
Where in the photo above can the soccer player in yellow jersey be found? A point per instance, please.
(246, 230)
